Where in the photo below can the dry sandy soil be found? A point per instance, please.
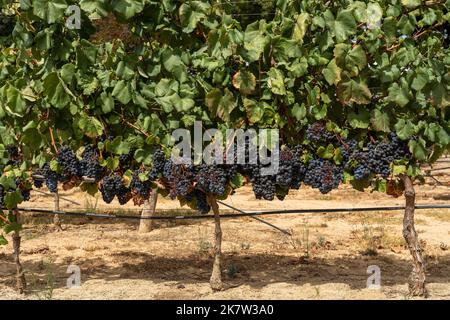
(326, 257)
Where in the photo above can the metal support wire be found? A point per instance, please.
(62, 198)
(432, 177)
(256, 218)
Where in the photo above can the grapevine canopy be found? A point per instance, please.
(362, 70)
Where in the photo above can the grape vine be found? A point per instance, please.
(353, 103)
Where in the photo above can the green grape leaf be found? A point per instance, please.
(344, 25)
(379, 185)
(359, 120)
(404, 129)
(255, 111)
(191, 13)
(326, 153)
(299, 111)
(418, 149)
(112, 163)
(56, 91)
(244, 81)
(300, 27)
(127, 9)
(237, 181)
(49, 10)
(107, 102)
(220, 104)
(276, 81)
(12, 199)
(143, 156)
(15, 101)
(380, 120)
(254, 40)
(117, 146)
(7, 182)
(399, 94)
(91, 126)
(332, 73)
(122, 92)
(398, 169)
(353, 90)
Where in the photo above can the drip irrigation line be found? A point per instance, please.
(234, 215)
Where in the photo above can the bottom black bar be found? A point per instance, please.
(228, 309)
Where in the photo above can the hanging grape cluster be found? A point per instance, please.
(110, 187)
(193, 183)
(20, 184)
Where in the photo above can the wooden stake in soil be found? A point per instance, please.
(56, 219)
(216, 276)
(417, 277)
(148, 211)
(21, 283)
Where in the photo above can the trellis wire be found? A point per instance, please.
(62, 198)
(434, 178)
(233, 215)
(256, 218)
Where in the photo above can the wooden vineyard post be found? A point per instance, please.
(417, 277)
(21, 283)
(56, 219)
(216, 276)
(148, 211)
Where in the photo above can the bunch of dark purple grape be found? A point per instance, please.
(89, 165)
(126, 160)
(14, 157)
(139, 187)
(67, 159)
(159, 162)
(291, 170)
(264, 186)
(199, 200)
(323, 175)
(51, 178)
(318, 133)
(179, 177)
(376, 158)
(112, 186)
(213, 179)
